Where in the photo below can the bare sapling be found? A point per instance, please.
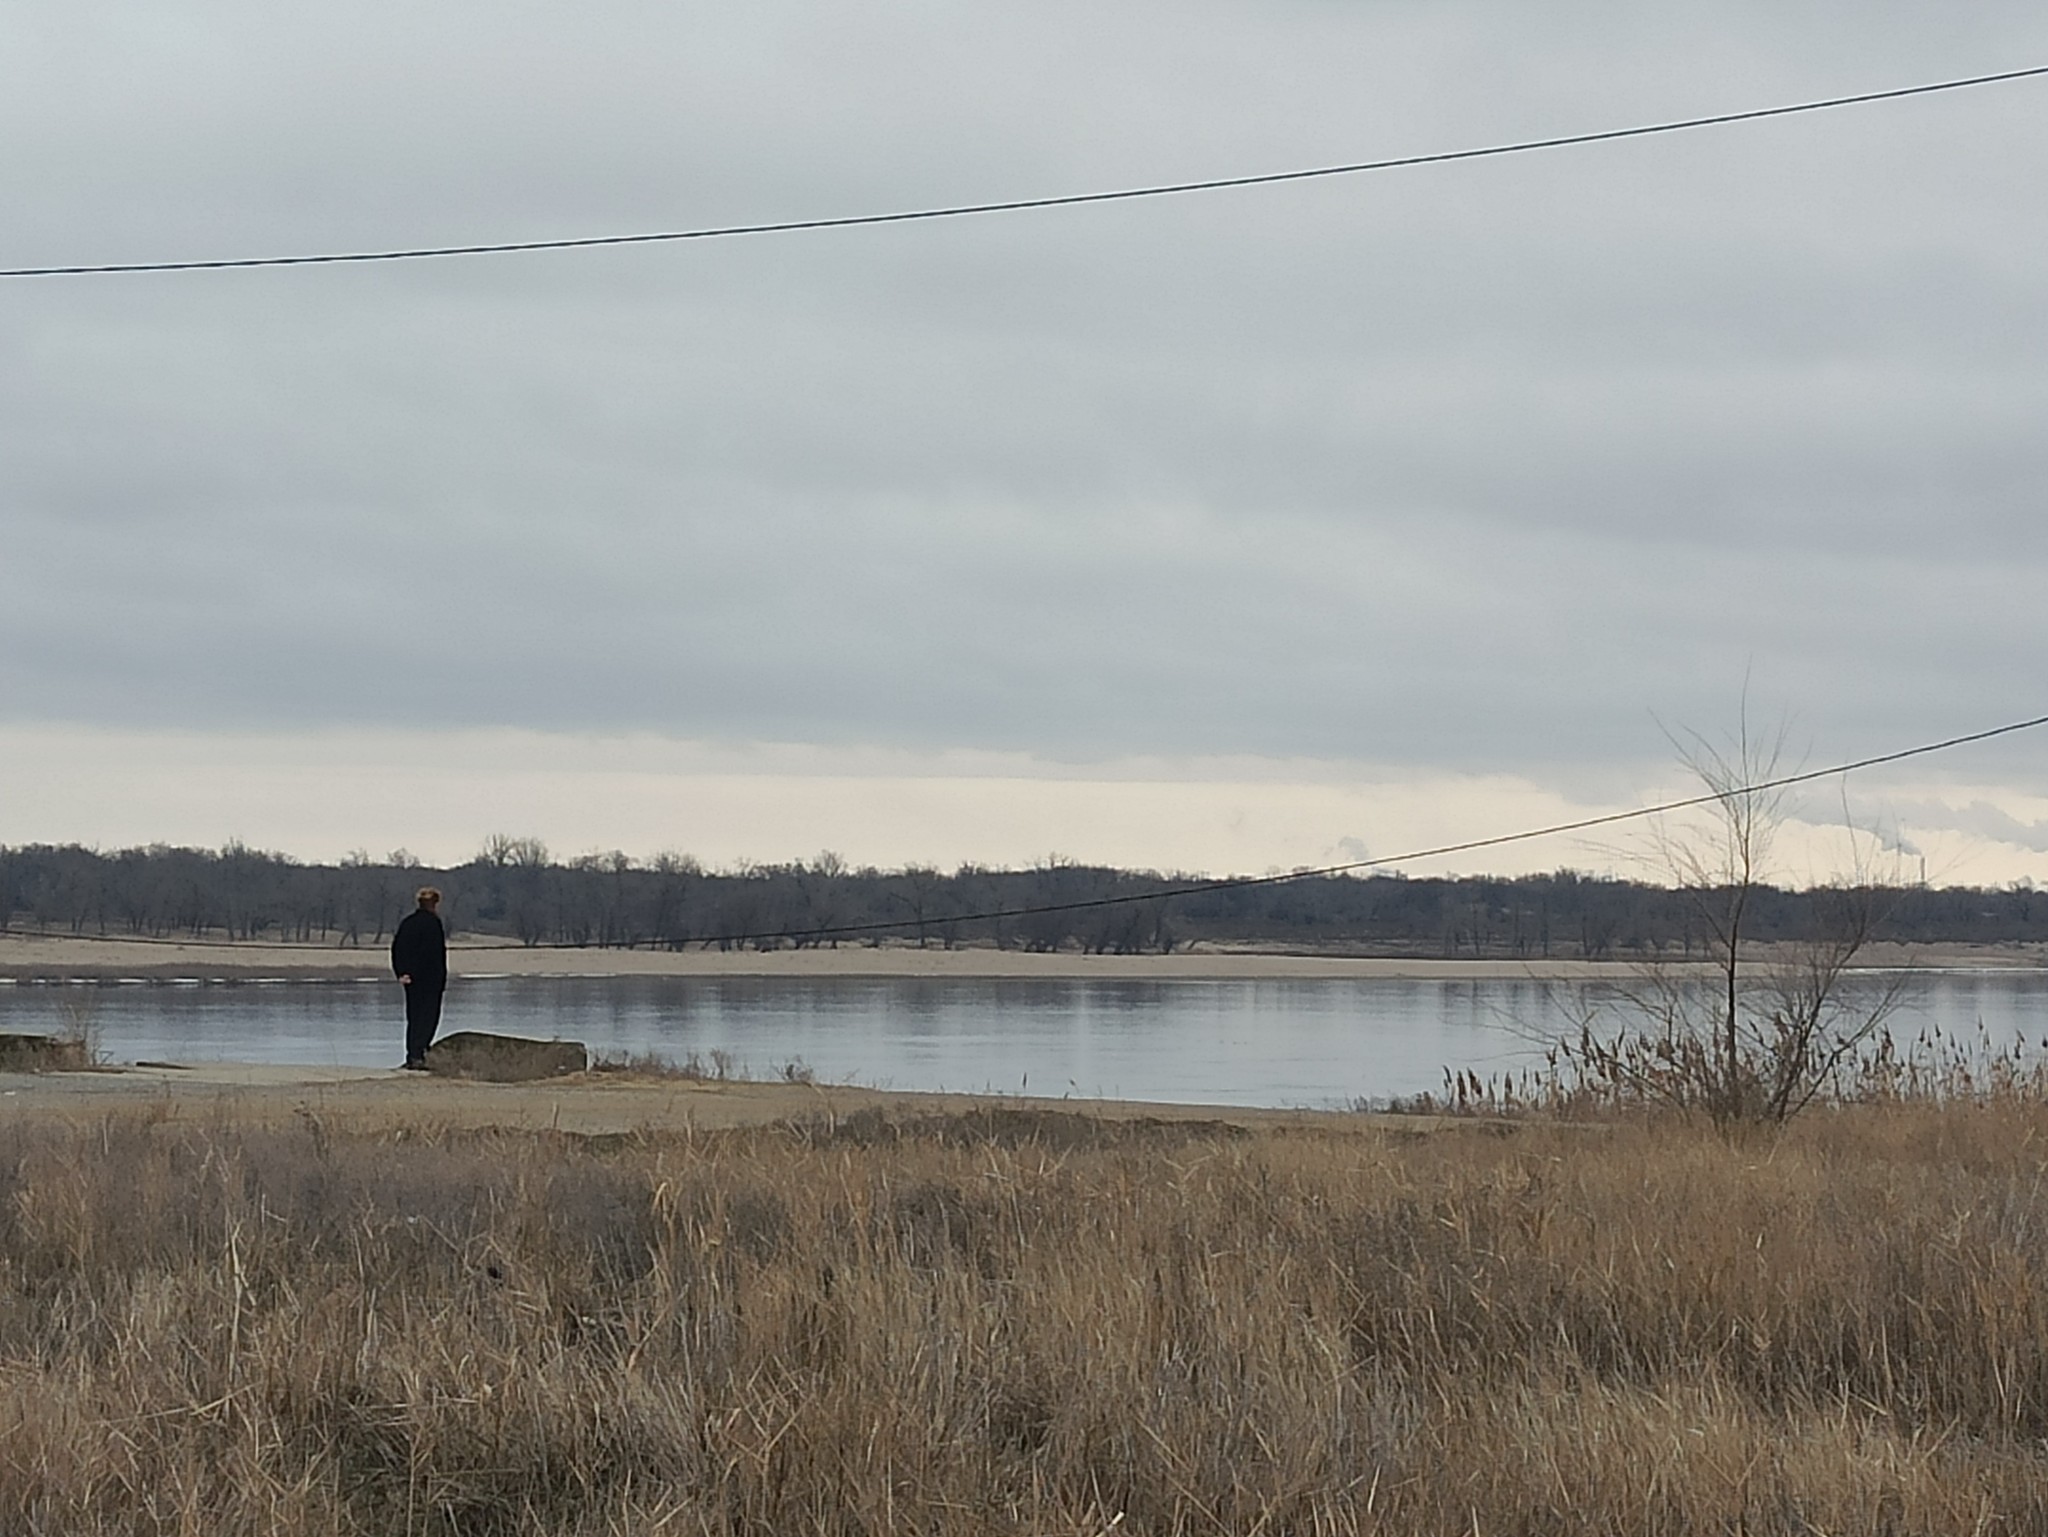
(1782, 1020)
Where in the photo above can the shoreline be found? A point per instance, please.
(45, 960)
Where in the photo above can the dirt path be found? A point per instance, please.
(244, 1094)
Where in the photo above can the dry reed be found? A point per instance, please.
(1012, 1322)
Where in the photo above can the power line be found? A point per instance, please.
(1320, 872)
(1019, 205)
(1228, 883)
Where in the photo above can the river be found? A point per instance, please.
(1313, 1042)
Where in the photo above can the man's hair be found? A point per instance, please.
(428, 896)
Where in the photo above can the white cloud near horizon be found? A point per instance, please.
(439, 795)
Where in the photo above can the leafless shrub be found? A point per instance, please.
(80, 1034)
(1776, 1029)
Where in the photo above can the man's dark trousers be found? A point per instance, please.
(422, 1017)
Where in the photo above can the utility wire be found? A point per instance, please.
(1320, 872)
(1018, 205)
(1228, 883)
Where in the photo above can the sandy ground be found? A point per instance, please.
(216, 1093)
(39, 959)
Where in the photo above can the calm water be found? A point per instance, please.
(1240, 1043)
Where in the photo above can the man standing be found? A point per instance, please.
(419, 955)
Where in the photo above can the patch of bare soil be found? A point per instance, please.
(585, 1103)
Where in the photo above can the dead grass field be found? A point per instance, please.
(1015, 1320)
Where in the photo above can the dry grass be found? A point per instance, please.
(73, 1048)
(719, 1067)
(1017, 1322)
(44, 1054)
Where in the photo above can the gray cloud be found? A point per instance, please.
(1470, 468)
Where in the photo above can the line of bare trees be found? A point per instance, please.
(515, 889)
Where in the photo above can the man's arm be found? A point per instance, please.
(426, 960)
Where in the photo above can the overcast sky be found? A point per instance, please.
(1333, 516)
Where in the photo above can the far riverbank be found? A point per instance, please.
(45, 959)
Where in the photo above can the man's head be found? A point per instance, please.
(429, 897)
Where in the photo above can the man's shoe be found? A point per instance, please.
(415, 1064)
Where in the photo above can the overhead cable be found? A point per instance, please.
(1019, 205)
(1353, 866)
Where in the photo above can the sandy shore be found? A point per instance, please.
(242, 1094)
(40, 959)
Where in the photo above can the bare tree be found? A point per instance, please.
(915, 889)
(1782, 1019)
(529, 879)
(673, 875)
(1720, 870)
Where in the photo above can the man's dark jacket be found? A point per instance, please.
(419, 949)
